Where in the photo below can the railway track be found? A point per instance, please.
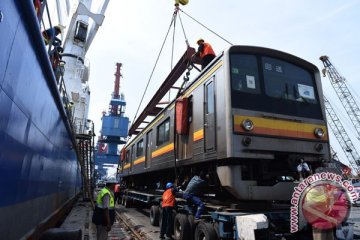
(132, 230)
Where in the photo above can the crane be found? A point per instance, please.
(342, 137)
(114, 128)
(339, 84)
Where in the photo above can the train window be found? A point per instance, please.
(287, 81)
(245, 73)
(286, 88)
(190, 110)
(210, 98)
(140, 148)
(163, 132)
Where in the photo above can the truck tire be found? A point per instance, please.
(181, 227)
(205, 231)
(154, 215)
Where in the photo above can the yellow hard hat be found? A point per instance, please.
(59, 27)
(182, 2)
(200, 40)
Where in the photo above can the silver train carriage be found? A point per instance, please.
(245, 120)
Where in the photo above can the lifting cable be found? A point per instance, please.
(173, 39)
(173, 21)
(157, 59)
(182, 26)
(206, 27)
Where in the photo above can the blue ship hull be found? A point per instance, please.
(39, 170)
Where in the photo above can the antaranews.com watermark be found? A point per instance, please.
(325, 204)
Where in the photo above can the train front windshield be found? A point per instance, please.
(268, 84)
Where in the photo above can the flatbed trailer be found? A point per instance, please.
(219, 220)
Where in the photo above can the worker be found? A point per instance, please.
(68, 107)
(50, 36)
(192, 192)
(303, 169)
(168, 203)
(104, 213)
(117, 193)
(55, 56)
(205, 52)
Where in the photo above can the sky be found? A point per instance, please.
(133, 33)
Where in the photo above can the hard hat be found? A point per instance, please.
(200, 40)
(58, 28)
(169, 185)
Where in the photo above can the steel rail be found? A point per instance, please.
(137, 235)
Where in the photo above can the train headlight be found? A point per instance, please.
(319, 132)
(248, 125)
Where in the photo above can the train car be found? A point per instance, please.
(245, 120)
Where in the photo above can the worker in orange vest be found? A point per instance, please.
(117, 193)
(168, 203)
(205, 52)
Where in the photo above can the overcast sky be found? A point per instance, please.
(133, 32)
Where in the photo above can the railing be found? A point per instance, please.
(54, 50)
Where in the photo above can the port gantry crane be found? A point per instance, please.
(114, 129)
(342, 137)
(339, 84)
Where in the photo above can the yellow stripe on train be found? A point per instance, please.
(163, 150)
(279, 127)
(126, 166)
(139, 160)
(198, 135)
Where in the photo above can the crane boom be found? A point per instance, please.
(339, 84)
(342, 137)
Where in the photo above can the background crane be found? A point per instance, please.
(114, 130)
(339, 84)
(342, 136)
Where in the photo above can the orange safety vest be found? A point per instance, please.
(168, 198)
(207, 50)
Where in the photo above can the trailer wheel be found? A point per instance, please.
(205, 231)
(154, 215)
(181, 227)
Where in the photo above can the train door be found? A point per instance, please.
(209, 116)
(148, 148)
